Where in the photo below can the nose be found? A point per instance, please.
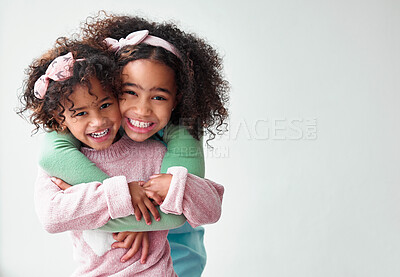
(97, 120)
(143, 107)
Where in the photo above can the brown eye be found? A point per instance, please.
(106, 105)
(130, 92)
(81, 114)
(158, 98)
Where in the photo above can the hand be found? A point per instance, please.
(60, 183)
(132, 240)
(141, 203)
(157, 187)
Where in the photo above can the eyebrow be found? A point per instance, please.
(152, 89)
(85, 107)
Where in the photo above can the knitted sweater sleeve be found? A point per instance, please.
(200, 200)
(82, 207)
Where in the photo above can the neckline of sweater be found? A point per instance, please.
(116, 151)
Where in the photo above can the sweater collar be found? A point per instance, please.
(117, 150)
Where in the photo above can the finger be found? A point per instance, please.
(153, 195)
(55, 180)
(60, 183)
(152, 209)
(145, 213)
(145, 248)
(141, 183)
(118, 244)
(129, 240)
(154, 202)
(137, 212)
(126, 243)
(154, 176)
(148, 184)
(133, 250)
(120, 236)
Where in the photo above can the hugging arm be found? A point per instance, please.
(86, 206)
(183, 150)
(61, 157)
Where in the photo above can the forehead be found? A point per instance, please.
(148, 73)
(81, 96)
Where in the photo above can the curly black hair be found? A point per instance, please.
(47, 113)
(201, 88)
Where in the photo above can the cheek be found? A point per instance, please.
(75, 128)
(70, 123)
(123, 104)
(166, 114)
(115, 114)
(119, 118)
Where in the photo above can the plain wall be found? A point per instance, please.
(310, 162)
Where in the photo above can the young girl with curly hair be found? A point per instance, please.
(73, 93)
(201, 94)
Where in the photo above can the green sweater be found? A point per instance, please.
(61, 157)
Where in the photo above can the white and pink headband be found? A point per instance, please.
(138, 37)
(60, 69)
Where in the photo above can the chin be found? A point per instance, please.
(138, 137)
(101, 146)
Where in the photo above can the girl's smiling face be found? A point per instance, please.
(149, 96)
(94, 118)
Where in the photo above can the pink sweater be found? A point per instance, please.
(91, 205)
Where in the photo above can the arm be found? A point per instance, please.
(60, 157)
(183, 150)
(129, 223)
(122, 223)
(82, 207)
(200, 200)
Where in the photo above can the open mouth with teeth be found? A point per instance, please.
(101, 134)
(140, 126)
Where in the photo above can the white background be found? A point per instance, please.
(310, 164)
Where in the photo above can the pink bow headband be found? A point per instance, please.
(138, 37)
(60, 69)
